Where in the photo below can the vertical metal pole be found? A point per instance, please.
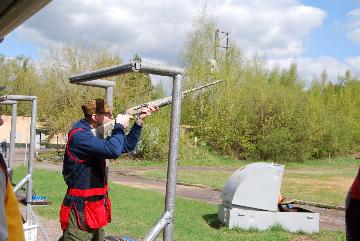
(12, 139)
(173, 155)
(109, 99)
(109, 95)
(31, 158)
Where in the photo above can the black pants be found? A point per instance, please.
(352, 219)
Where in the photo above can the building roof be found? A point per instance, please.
(15, 12)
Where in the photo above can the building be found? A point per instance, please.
(22, 135)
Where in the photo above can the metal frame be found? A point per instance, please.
(108, 85)
(28, 178)
(165, 222)
(12, 135)
(16, 12)
(134, 66)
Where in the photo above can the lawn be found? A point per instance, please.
(313, 180)
(324, 181)
(135, 211)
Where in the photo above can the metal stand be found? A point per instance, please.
(28, 178)
(166, 220)
(12, 135)
(106, 84)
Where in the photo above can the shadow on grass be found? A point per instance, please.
(212, 220)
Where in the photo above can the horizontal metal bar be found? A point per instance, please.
(134, 66)
(157, 69)
(8, 102)
(17, 97)
(98, 83)
(106, 72)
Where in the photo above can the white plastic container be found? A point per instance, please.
(30, 229)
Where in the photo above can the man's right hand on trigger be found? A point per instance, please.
(123, 120)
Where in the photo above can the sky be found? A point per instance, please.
(316, 34)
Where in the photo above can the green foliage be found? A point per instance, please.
(257, 113)
(60, 102)
(20, 77)
(154, 140)
(254, 114)
(266, 114)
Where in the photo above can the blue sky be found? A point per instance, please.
(317, 35)
(330, 39)
(13, 46)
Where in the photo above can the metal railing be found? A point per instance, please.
(165, 222)
(13, 99)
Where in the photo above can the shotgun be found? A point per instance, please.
(105, 130)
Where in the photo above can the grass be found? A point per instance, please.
(200, 156)
(133, 216)
(45, 183)
(315, 180)
(321, 180)
(50, 154)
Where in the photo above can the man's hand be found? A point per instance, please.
(145, 112)
(123, 120)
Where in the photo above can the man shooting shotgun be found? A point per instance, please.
(105, 130)
(86, 208)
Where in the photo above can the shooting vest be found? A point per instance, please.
(87, 192)
(13, 216)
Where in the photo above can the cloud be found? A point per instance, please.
(308, 68)
(152, 29)
(354, 25)
(157, 29)
(354, 64)
(272, 28)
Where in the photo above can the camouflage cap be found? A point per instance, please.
(95, 106)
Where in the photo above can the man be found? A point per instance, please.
(352, 212)
(4, 147)
(86, 208)
(11, 226)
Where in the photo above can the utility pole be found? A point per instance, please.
(218, 44)
(227, 43)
